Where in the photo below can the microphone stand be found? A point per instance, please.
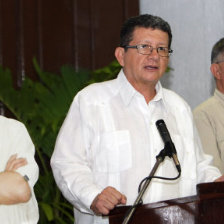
(159, 158)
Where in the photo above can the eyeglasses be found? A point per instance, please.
(146, 49)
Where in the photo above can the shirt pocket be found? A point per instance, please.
(114, 153)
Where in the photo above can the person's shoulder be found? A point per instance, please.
(99, 86)
(10, 123)
(100, 90)
(206, 107)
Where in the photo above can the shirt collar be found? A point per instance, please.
(219, 95)
(128, 92)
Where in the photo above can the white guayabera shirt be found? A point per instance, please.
(109, 138)
(14, 139)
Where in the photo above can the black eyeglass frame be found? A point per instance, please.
(139, 46)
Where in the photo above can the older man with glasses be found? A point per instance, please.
(209, 115)
(109, 141)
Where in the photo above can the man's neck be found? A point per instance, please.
(220, 86)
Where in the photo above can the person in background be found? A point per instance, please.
(109, 140)
(209, 115)
(18, 174)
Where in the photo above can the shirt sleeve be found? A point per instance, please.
(70, 164)
(208, 138)
(24, 148)
(207, 172)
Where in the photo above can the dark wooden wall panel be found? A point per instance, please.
(82, 33)
(107, 19)
(9, 26)
(57, 33)
(32, 46)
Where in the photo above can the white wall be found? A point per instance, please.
(196, 25)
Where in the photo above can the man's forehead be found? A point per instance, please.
(140, 31)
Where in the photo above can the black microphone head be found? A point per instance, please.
(160, 122)
(161, 126)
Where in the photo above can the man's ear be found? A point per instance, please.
(119, 54)
(214, 68)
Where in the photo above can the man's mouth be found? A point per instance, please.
(151, 67)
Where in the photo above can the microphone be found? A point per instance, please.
(164, 133)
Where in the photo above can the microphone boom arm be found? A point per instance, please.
(159, 158)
